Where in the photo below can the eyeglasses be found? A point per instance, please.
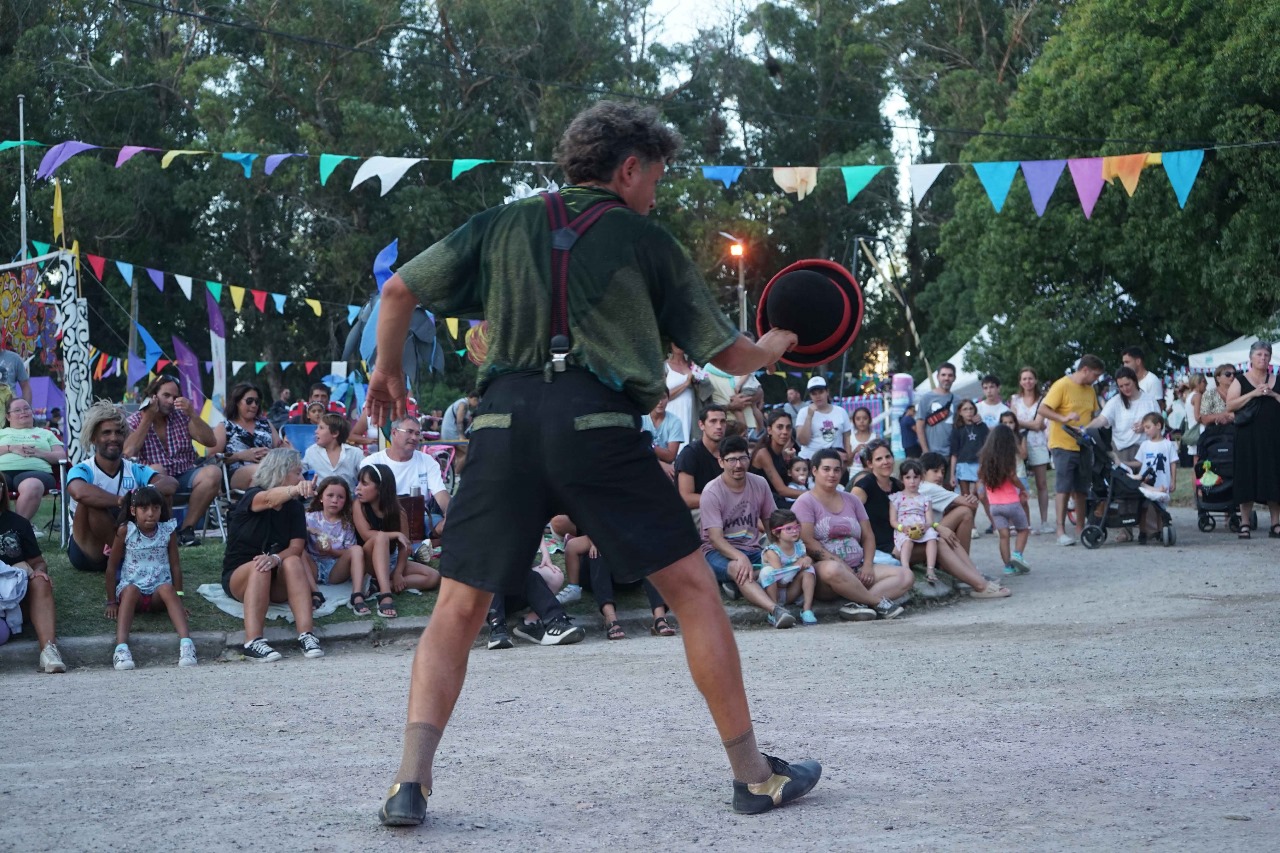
(19, 411)
(736, 460)
(412, 433)
(793, 527)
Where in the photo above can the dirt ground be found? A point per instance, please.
(1124, 698)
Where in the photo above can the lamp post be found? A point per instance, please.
(738, 250)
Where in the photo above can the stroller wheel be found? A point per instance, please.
(1168, 536)
(1092, 537)
(1206, 523)
(1233, 523)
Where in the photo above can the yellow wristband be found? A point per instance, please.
(179, 593)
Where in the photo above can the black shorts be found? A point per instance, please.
(82, 561)
(570, 446)
(13, 478)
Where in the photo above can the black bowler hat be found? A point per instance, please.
(818, 300)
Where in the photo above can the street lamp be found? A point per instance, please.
(738, 250)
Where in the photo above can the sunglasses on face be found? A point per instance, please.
(787, 528)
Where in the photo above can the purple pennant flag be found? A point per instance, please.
(1087, 174)
(136, 371)
(1042, 178)
(127, 152)
(59, 154)
(188, 373)
(215, 316)
(274, 160)
(157, 278)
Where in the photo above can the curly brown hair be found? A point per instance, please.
(603, 135)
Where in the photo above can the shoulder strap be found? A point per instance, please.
(564, 234)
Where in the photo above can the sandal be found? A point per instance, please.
(992, 590)
(613, 631)
(1244, 532)
(1275, 531)
(358, 608)
(661, 628)
(317, 600)
(930, 575)
(387, 606)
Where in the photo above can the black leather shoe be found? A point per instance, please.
(406, 805)
(788, 782)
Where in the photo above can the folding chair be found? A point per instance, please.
(301, 436)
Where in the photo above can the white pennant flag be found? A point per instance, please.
(922, 177)
(387, 169)
(236, 365)
(184, 281)
(338, 368)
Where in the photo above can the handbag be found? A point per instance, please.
(1246, 413)
(1191, 436)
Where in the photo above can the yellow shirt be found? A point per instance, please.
(1065, 396)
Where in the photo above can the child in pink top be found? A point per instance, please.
(998, 472)
(912, 518)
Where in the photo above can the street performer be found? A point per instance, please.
(583, 295)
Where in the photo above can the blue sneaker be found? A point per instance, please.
(1019, 563)
(807, 617)
(1010, 570)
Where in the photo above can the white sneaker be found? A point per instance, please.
(122, 659)
(40, 534)
(1065, 540)
(50, 660)
(854, 612)
(572, 592)
(976, 534)
(1047, 528)
(187, 653)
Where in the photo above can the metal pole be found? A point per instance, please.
(22, 177)
(742, 298)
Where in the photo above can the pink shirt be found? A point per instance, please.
(839, 532)
(1005, 493)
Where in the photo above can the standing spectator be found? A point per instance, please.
(278, 414)
(991, 407)
(968, 434)
(457, 418)
(742, 398)
(414, 469)
(1209, 402)
(1150, 384)
(1025, 405)
(27, 457)
(678, 373)
(317, 393)
(13, 372)
(823, 426)
(1252, 398)
(1123, 414)
(665, 430)
(699, 463)
(935, 413)
(1071, 401)
(794, 403)
(907, 429)
(860, 436)
(331, 456)
(160, 437)
(245, 437)
(20, 551)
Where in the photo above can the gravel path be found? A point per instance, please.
(1123, 698)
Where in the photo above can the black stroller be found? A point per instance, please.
(1216, 452)
(1115, 499)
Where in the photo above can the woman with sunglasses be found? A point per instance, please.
(246, 434)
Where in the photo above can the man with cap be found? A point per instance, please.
(935, 411)
(575, 359)
(821, 425)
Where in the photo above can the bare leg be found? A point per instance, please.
(173, 604)
(378, 556)
(836, 580)
(299, 592)
(252, 588)
(418, 576)
(1080, 509)
(1246, 513)
(440, 662)
(931, 556)
(39, 608)
(204, 489)
(959, 520)
(1023, 535)
(1060, 505)
(1042, 492)
(1004, 544)
(30, 491)
(124, 614)
(808, 583)
(956, 563)
(904, 551)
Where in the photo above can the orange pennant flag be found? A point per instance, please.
(1127, 167)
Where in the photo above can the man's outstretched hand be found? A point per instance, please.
(385, 399)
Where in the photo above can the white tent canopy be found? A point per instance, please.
(1236, 352)
(968, 384)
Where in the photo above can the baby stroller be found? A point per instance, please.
(1216, 452)
(1114, 499)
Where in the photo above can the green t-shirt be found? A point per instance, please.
(38, 437)
(632, 288)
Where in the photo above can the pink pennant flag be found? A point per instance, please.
(260, 300)
(1087, 175)
(97, 263)
(127, 152)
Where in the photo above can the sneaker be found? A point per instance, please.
(187, 537)
(259, 652)
(531, 631)
(788, 782)
(781, 617)
(562, 632)
(730, 590)
(886, 609)
(310, 645)
(975, 534)
(1048, 528)
(40, 534)
(406, 805)
(990, 531)
(499, 638)
(1018, 563)
(1065, 540)
(50, 660)
(854, 612)
(1010, 570)
(807, 617)
(571, 593)
(187, 653)
(122, 659)
(424, 553)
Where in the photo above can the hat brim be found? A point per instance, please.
(810, 353)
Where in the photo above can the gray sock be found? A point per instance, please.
(420, 742)
(744, 757)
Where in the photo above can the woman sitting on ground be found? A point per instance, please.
(27, 457)
(21, 552)
(245, 436)
(266, 535)
(772, 456)
(331, 456)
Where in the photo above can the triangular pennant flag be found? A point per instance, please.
(260, 300)
(214, 288)
(1182, 168)
(460, 166)
(245, 160)
(727, 175)
(97, 263)
(284, 365)
(154, 352)
(126, 272)
(353, 311)
(208, 368)
(59, 154)
(14, 143)
(157, 278)
(796, 179)
(382, 263)
(135, 369)
(258, 365)
(127, 152)
(237, 296)
(314, 305)
(274, 160)
(44, 248)
(101, 366)
(162, 363)
(1086, 173)
(996, 179)
(235, 367)
(170, 156)
(922, 177)
(338, 368)
(278, 299)
(1042, 178)
(184, 282)
(389, 170)
(1127, 167)
(310, 366)
(57, 209)
(460, 353)
(856, 178)
(329, 162)
(471, 324)
(452, 324)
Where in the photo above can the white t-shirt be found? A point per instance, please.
(938, 497)
(130, 476)
(420, 470)
(1123, 420)
(991, 412)
(1152, 387)
(1158, 456)
(829, 429)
